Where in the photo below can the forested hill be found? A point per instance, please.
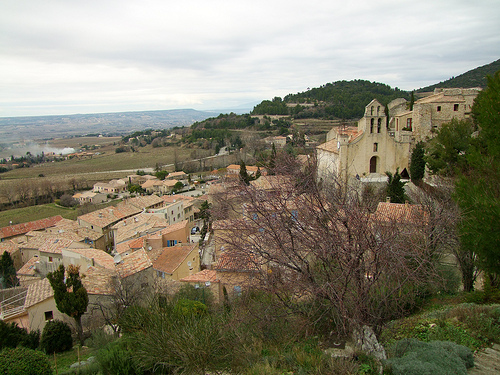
(341, 99)
(472, 78)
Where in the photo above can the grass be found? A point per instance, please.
(25, 214)
(61, 362)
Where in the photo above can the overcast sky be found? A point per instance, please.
(87, 56)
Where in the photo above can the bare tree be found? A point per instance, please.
(322, 245)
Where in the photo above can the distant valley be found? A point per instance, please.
(14, 129)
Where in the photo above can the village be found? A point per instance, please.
(246, 227)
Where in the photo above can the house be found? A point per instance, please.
(206, 279)
(90, 197)
(111, 187)
(278, 141)
(177, 262)
(102, 221)
(383, 142)
(17, 230)
(236, 271)
(171, 212)
(86, 258)
(137, 226)
(233, 170)
(159, 186)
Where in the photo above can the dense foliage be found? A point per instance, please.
(24, 361)
(56, 337)
(472, 78)
(70, 294)
(478, 186)
(8, 278)
(11, 335)
(343, 99)
(413, 357)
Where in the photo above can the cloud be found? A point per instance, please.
(93, 56)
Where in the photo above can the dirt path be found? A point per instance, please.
(487, 361)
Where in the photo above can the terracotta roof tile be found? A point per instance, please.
(401, 212)
(101, 258)
(38, 292)
(109, 215)
(18, 229)
(133, 263)
(8, 246)
(172, 257)
(99, 280)
(202, 277)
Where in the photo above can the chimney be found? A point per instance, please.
(388, 200)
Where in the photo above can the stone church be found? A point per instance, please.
(383, 142)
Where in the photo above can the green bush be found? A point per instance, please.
(414, 357)
(24, 361)
(56, 337)
(116, 359)
(11, 335)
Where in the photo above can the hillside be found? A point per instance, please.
(472, 78)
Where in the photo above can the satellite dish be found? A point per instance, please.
(117, 258)
(189, 264)
(207, 283)
(150, 248)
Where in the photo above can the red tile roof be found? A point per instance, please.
(401, 212)
(172, 257)
(18, 229)
(99, 281)
(133, 263)
(202, 277)
(38, 292)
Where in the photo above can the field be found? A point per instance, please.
(22, 215)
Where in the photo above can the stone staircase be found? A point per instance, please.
(486, 362)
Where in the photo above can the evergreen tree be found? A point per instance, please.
(478, 186)
(417, 163)
(395, 187)
(244, 177)
(8, 271)
(70, 295)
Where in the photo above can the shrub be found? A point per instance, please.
(56, 337)
(416, 357)
(11, 335)
(117, 359)
(24, 361)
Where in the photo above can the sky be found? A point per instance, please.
(94, 56)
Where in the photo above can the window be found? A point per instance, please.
(371, 113)
(375, 147)
(50, 259)
(378, 110)
(371, 125)
(379, 125)
(439, 108)
(408, 124)
(455, 107)
(49, 315)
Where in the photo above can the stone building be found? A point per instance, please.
(383, 142)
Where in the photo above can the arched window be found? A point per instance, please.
(379, 125)
(372, 123)
(371, 112)
(378, 110)
(373, 164)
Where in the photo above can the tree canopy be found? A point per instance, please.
(478, 185)
(70, 294)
